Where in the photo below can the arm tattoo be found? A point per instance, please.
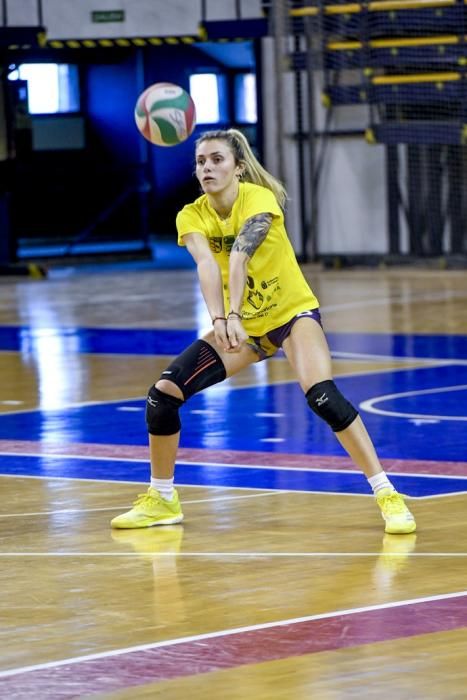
(253, 233)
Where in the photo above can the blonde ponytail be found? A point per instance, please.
(253, 170)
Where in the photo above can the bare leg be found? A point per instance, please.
(307, 350)
(163, 448)
(162, 453)
(357, 443)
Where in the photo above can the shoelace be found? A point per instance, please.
(394, 503)
(144, 498)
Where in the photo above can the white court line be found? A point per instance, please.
(317, 470)
(64, 455)
(235, 555)
(367, 356)
(439, 495)
(430, 364)
(303, 492)
(180, 484)
(228, 632)
(67, 511)
(369, 404)
(142, 484)
(225, 465)
(433, 364)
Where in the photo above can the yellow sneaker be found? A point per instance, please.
(399, 519)
(150, 509)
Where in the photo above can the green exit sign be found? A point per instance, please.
(108, 16)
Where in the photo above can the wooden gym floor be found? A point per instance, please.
(280, 583)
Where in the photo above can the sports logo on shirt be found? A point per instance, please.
(228, 243)
(219, 243)
(215, 243)
(254, 297)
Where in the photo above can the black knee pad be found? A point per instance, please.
(327, 402)
(162, 413)
(198, 367)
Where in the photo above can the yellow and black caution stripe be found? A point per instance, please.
(121, 42)
(129, 42)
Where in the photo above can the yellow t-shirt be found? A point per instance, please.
(276, 289)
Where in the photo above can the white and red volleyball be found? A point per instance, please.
(165, 114)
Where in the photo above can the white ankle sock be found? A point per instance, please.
(380, 481)
(164, 486)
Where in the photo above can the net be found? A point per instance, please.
(404, 62)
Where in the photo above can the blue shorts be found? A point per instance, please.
(267, 345)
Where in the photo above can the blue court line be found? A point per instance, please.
(26, 339)
(325, 481)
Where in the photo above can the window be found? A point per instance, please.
(206, 90)
(245, 99)
(52, 87)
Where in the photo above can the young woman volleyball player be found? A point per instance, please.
(235, 233)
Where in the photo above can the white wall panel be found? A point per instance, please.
(72, 18)
(352, 203)
(226, 9)
(142, 18)
(351, 197)
(21, 13)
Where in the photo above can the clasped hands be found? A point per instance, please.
(229, 332)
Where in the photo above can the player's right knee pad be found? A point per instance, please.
(327, 402)
(198, 367)
(162, 413)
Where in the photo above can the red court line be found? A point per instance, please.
(208, 653)
(270, 459)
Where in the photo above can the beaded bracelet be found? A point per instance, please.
(234, 313)
(218, 318)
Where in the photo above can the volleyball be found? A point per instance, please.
(165, 114)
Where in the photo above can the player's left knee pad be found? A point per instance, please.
(327, 402)
(162, 413)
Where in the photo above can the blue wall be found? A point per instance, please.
(110, 96)
(77, 189)
(111, 93)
